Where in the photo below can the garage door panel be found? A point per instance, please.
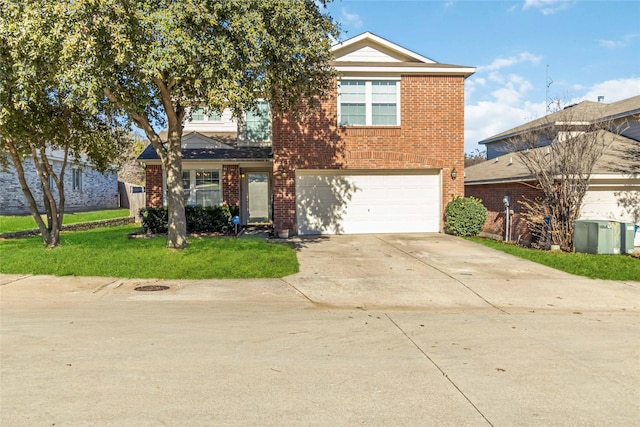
(374, 202)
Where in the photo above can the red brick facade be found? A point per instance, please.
(430, 136)
(492, 196)
(154, 186)
(231, 185)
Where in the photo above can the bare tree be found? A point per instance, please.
(560, 154)
(475, 157)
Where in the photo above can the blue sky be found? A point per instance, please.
(587, 49)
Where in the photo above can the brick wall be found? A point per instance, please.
(154, 186)
(430, 135)
(98, 191)
(231, 185)
(492, 195)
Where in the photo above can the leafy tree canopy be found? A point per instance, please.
(152, 60)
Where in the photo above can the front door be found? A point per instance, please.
(258, 197)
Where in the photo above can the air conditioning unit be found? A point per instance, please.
(597, 237)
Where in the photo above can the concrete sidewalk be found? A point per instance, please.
(353, 339)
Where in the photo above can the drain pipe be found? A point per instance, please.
(507, 227)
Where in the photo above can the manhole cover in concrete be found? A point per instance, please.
(151, 288)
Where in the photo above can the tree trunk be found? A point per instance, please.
(177, 232)
(50, 235)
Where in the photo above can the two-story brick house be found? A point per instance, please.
(384, 153)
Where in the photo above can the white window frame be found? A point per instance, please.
(76, 180)
(369, 99)
(211, 116)
(193, 197)
(269, 125)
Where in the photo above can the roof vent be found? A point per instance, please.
(600, 98)
(510, 160)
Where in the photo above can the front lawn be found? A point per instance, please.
(109, 252)
(608, 267)
(10, 223)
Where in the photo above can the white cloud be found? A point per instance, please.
(352, 19)
(509, 106)
(511, 61)
(612, 90)
(610, 43)
(488, 118)
(547, 7)
(614, 44)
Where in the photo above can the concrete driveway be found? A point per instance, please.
(374, 330)
(434, 271)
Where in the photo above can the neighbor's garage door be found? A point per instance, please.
(353, 202)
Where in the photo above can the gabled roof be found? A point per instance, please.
(622, 158)
(194, 139)
(365, 43)
(368, 52)
(586, 111)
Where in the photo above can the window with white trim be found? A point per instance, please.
(77, 180)
(202, 187)
(258, 123)
(369, 103)
(198, 115)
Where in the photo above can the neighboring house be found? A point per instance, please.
(85, 188)
(381, 155)
(614, 187)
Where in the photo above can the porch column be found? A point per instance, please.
(231, 185)
(153, 176)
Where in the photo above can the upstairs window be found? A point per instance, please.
(353, 103)
(258, 123)
(198, 115)
(369, 103)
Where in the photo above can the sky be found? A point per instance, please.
(527, 53)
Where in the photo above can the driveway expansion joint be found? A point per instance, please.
(445, 273)
(424, 353)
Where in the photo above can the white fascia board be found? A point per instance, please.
(614, 176)
(386, 43)
(405, 70)
(500, 181)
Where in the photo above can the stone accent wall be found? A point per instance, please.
(153, 176)
(430, 136)
(98, 191)
(492, 195)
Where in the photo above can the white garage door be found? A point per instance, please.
(355, 202)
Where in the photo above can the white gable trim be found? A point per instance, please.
(367, 36)
(464, 71)
(197, 140)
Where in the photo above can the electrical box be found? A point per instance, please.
(597, 237)
(627, 235)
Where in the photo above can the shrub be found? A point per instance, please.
(199, 218)
(154, 220)
(465, 216)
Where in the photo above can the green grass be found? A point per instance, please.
(10, 223)
(607, 267)
(108, 252)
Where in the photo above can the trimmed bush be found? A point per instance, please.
(465, 216)
(216, 219)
